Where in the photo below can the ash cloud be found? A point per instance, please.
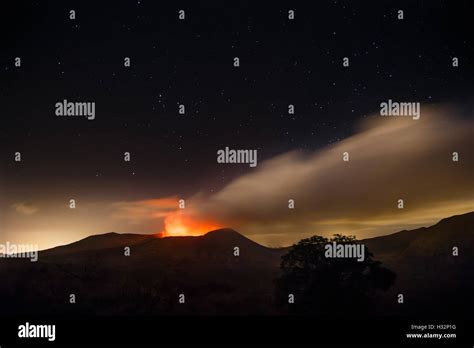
(389, 159)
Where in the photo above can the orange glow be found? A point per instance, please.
(180, 224)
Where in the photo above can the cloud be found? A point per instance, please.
(25, 208)
(140, 211)
(390, 158)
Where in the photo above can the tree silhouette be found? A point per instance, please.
(331, 287)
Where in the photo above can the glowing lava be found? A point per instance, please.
(180, 224)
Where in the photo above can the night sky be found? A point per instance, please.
(190, 62)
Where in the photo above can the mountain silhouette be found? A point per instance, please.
(432, 279)
(425, 242)
(223, 272)
(214, 248)
(214, 276)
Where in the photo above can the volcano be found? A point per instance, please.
(148, 281)
(218, 281)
